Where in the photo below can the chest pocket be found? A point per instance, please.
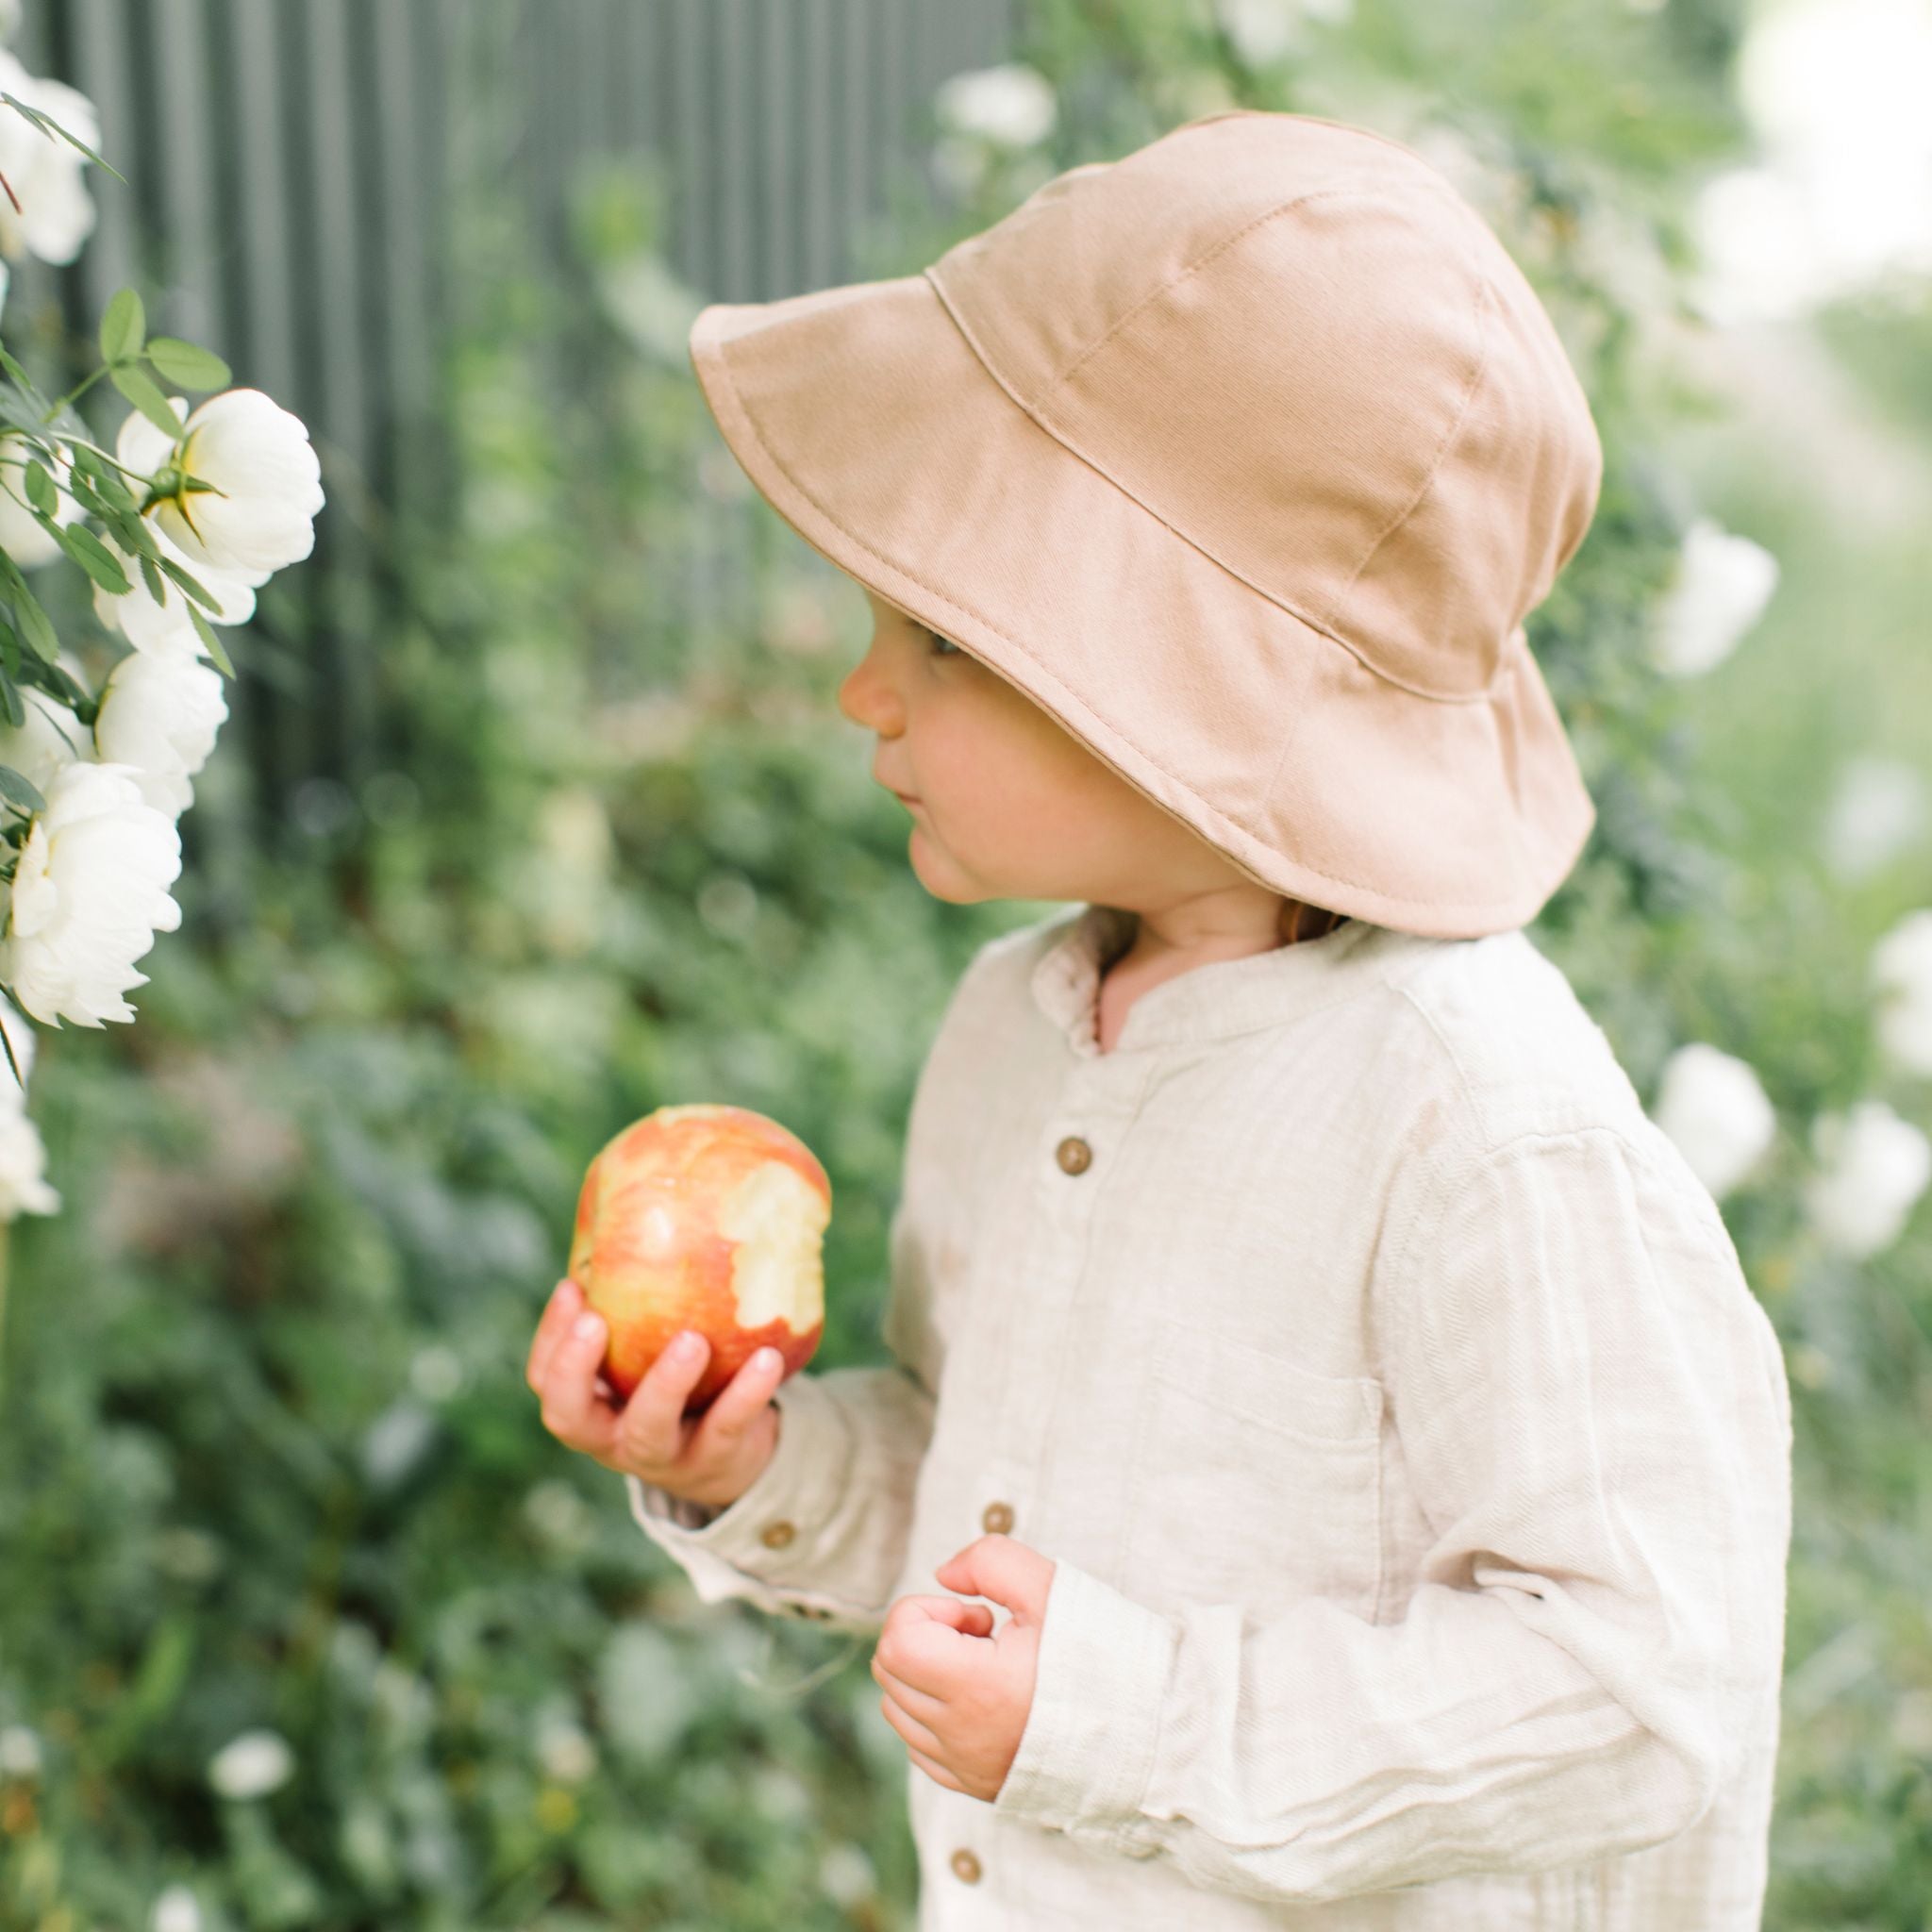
(1256, 1481)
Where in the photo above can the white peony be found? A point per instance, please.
(21, 537)
(176, 1909)
(168, 625)
(1902, 971)
(1878, 810)
(252, 1765)
(20, 1752)
(46, 740)
(260, 514)
(161, 711)
(89, 891)
(1874, 1168)
(23, 1187)
(1011, 106)
(1722, 583)
(1713, 1106)
(56, 213)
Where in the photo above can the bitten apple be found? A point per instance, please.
(705, 1217)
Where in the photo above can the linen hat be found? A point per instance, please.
(1244, 456)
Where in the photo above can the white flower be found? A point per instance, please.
(1902, 971)
(1713, 1106)
(1878, 810)
(1011, 106)
(252, 1765)
(21, 537)
(159, 714)
(20, 1748)
(260, 514)
(23, 1187)
(846, 1874)
(565, 1751)
(1874, 1168)
(10, 19)
(1722, 583)
(48, 737)
(168, 625)
(89, 892)
(176, 1909)
(56, 213)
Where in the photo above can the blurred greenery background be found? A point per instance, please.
(269, 1471)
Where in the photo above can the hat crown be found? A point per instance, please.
(1299, 346)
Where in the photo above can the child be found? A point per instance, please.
(1348, 1403)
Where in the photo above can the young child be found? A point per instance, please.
(1346, 1403)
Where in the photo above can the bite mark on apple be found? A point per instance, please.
(776, 1217)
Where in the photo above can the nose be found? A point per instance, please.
(867, 697)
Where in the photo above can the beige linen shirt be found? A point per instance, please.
(1413, 1452)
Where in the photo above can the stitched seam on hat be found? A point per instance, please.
(1484, 695)
(1181, 275)
(1484, 295)
(1240, 833)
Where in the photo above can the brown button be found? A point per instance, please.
(1073, 1154)
(775, 1535)
(997, 1517)
(966, 1866)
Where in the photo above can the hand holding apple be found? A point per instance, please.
(713, 1459)
(707, 1217)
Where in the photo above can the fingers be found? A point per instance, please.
(911, 1699)
(909, 1727)
(737, 1408)
(566, 1298)
(567, 1383)
(933, 1770)
(652, 1432)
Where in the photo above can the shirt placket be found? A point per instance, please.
(1048, 1296)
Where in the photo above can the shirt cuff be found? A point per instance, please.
(1089, 1746)
(770, 1530)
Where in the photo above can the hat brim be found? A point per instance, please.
(867, 420)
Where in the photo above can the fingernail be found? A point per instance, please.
(684, 1346)
(589, 1323)
(765, 1360)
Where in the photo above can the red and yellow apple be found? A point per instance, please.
(705, 1217)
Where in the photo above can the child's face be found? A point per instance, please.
(1009, 805)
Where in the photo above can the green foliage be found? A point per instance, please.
(267, 1459)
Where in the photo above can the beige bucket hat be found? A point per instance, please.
(1245, 457)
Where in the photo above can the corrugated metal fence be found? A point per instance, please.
(291, 168)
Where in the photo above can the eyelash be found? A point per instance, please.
(952, 649)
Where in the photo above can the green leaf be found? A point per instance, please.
(190, 585)
(50, 127)
(93, 556)
(140, 390)
(7, 1043)
(27, 613)
(187, 364)
(152, 578)
(10, 702)
(14, 370)
(124, 326)
(39, 486)
(17, 789)
(9, 649)
(213, 644)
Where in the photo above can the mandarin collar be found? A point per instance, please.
(1212, 1002)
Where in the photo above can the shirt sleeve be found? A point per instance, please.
(822, 1529)
(1592, 1409)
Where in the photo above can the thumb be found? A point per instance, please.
(1008, 1572)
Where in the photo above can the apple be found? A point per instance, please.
(707, 1217)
